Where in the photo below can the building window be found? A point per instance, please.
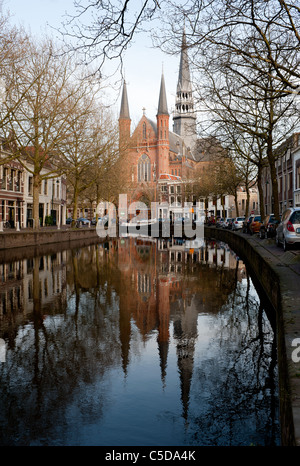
(30, 186)
(144, 168)
(18, 182)
(4, 179)
(11, 180)
(144, 131)
(45, 187)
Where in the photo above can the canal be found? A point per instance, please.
(136, 342)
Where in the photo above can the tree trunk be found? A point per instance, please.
(236, 204)
(247, 201)
(75, 204)
(271, 160)
(36, 200)
(260, 194)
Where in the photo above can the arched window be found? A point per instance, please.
(144, 168)
(144, 131)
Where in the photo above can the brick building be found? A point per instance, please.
(160, 162)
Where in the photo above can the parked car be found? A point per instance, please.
(220, 222)
(229, 223)
(81, 221)
(69, 221)
(226, 223)
(268, 227)
(237, 223)
(255, 225)
(288, 230)
(247, 223)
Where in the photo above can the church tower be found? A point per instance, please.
(162, 119)
(184, 119)
(124, 119)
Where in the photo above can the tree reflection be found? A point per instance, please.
(240, 375)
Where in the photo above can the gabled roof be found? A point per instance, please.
(176, 141)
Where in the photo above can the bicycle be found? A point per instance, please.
(6, 224)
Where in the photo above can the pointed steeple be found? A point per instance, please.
(162, 102)
(124, 111)
(124, 119)
(184, 120)
(162, 121)
(184, 78)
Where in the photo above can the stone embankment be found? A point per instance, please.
(278, 273)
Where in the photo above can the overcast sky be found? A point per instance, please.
(143, 65)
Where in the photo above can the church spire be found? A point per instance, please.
(184, 119)
(162, 121)
(124, 111)
(124, 119)
(162, 102)
(184, 79)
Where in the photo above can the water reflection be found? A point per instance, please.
(136, 342)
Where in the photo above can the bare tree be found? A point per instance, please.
(47, 89)
(89, 151)
(102, 30)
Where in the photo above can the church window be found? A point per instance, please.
(144, 131)
(144, 168)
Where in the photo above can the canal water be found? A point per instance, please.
(136, 342)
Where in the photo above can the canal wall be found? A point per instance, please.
(278, 275)
(29, 238)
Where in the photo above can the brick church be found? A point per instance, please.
(159, 159)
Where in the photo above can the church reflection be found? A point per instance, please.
(161, 283)
(92, 308)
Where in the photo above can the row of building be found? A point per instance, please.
(288, 176)
(16, 193)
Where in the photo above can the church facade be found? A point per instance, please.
(160, 161)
